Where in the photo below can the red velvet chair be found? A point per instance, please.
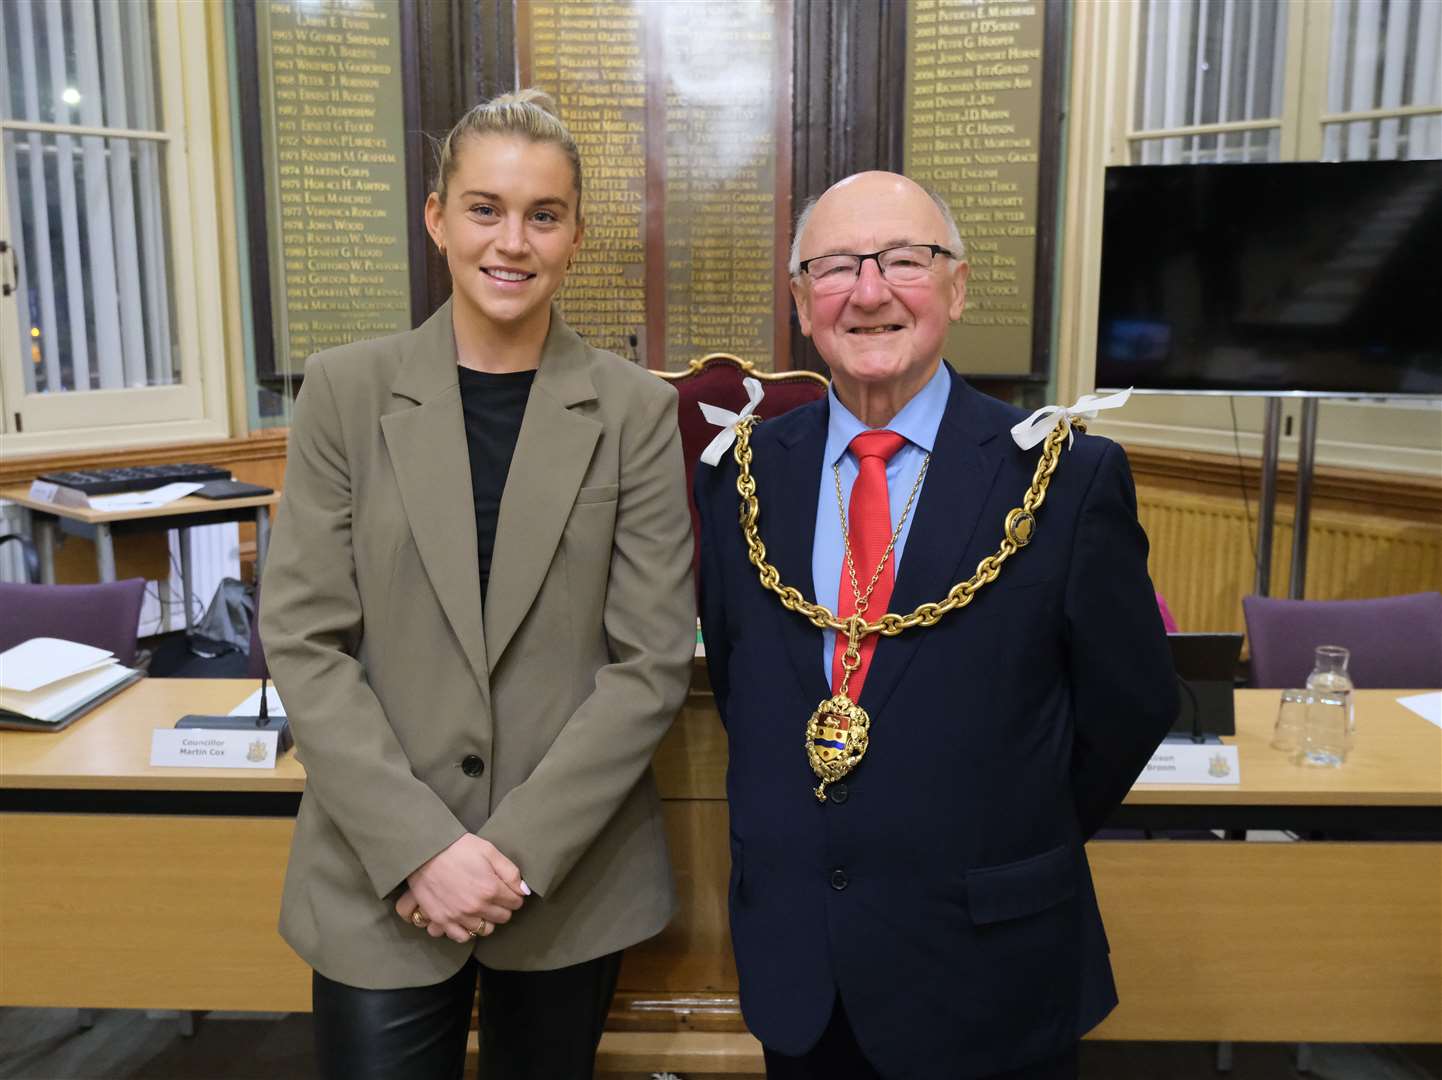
(716, 379)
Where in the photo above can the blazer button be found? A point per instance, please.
(838, 793)
(472, 765)
(839, 880)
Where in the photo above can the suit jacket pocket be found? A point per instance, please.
(1013, 890)
(598, 493)
(1014, 578)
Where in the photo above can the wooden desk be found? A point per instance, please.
(127, 886)
(181, 515)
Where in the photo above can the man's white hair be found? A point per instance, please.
(953, 234)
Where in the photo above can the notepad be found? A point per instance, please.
(43, 660)
(51, 703)
(50, 681)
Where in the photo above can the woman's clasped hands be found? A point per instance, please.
(464, 892)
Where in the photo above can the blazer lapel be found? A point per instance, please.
(552, 455)
(426, 440)
(787, 482)
(964, 464)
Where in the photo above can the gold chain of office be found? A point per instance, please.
(1018, 527)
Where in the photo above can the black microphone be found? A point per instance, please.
(261, 721)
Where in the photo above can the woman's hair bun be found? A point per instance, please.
(531, 95)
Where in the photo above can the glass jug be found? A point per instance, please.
(1329, 673)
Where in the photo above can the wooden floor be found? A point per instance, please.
(48, 1044)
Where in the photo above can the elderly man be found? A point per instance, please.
(909, 892)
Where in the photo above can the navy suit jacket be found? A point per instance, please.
(943, 889)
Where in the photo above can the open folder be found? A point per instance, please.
(45, 683)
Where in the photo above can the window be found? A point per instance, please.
(1193, 81)
(1242, 80)
(1385, 68)
(109, 330)
(1216, 70)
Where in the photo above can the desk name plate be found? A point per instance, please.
(45, 491)
(208, 748)
(1192, 763)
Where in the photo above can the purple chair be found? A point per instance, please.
(106, 616)
(1396, 641)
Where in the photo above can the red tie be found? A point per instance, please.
(869, 518)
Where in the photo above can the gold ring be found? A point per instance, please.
(480, 930)
(418, 919)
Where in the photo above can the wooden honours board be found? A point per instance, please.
(591, 58)
(974, 120)
(331, 95)
(681, 112)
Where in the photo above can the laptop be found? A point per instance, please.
(1206, 669)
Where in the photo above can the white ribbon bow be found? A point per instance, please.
(1040, 424)
(727, 420)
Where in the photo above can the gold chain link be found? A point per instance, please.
(889, 624)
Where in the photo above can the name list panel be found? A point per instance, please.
(591, 59)
(333, 133)
(721, 180)
(973, 122)
(674, 107)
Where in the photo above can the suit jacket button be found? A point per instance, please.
(838, 793)
(839, 880)
(472, 765)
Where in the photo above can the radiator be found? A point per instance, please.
(214, 555)
(1201, 555)
(13, 519)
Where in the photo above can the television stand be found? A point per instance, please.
(1267, 502)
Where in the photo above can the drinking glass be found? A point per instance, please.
(1324, 737)
(1291, 721)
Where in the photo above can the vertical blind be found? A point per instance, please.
(1386, 54)
(84, 156)
(1223, 61)
(1209, 62)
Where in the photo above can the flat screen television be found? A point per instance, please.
(1315, 277)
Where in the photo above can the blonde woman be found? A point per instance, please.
(478, 609)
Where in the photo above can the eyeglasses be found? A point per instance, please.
(905, 265)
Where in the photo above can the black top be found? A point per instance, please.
(493, 405)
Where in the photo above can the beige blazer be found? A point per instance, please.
(399, 685)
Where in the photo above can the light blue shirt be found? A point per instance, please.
(917, 423)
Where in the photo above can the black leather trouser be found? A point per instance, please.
(535, 1025)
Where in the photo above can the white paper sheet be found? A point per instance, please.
(251, 705)
(139, 500)
(1427, 706)
(43, 660)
